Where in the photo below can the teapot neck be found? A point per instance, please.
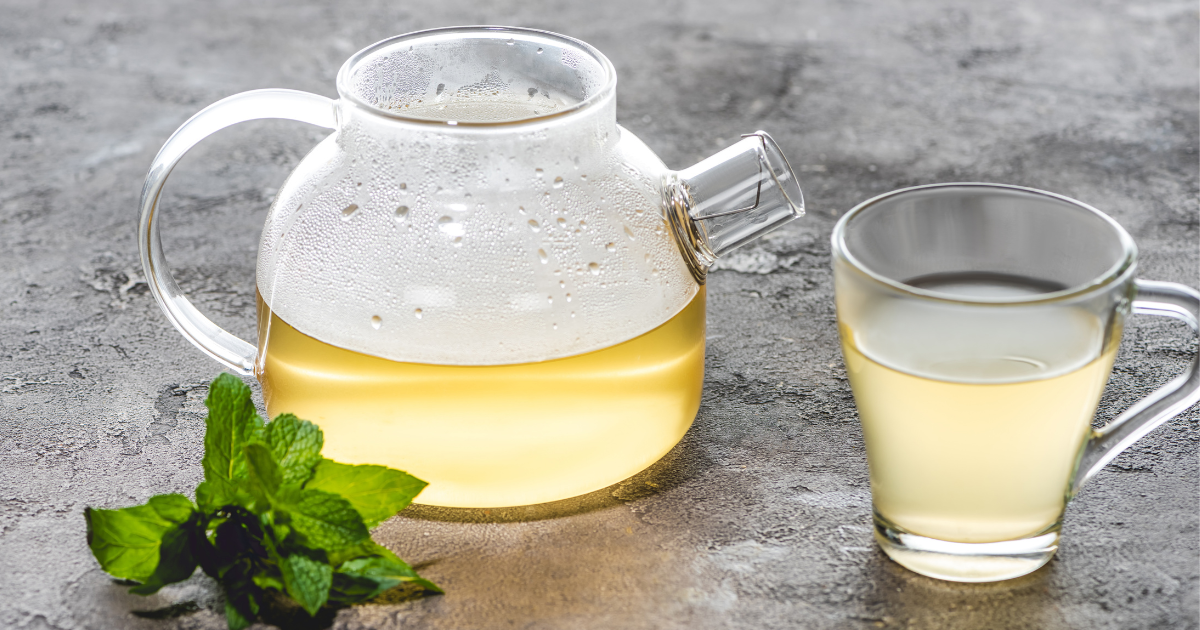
(583, 133)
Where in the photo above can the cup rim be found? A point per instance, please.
(604, 92)
(1119, 271)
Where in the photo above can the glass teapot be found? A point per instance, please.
(479, 277)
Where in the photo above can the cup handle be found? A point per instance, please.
(1153, 298)
(198, 329)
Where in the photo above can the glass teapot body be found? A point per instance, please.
(486, 309)
(466, 246)
(479, 277)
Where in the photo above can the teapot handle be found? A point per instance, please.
(1153, 298)
(198, 329)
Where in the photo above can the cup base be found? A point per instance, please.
(966, 562)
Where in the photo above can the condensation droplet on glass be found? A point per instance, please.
(550, 299)
(562, 285)
(510, 41)
(417, 312)
(542, 256)
(612, 247)
(537, 173)
(558, 183)
(582, 224)
(451, 228)
(594, 268)
(629, 233)
(561, 222)
(403, 186)
(457, 241)
(359, 184)
(349, 210)
(440, 87)
(583, 177)
(539, 51)
(401, 213)
(533, 225)
(521, 210)
(568, 297)
(376, 322)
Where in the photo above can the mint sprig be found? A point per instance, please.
(272, 518)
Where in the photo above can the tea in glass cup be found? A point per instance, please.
(979, 324)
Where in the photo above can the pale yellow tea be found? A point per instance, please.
(491, 436)
(973, 437)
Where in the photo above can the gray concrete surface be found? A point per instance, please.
(760, 518)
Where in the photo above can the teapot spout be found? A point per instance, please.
(730, 199)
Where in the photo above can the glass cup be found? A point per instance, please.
(979, 323)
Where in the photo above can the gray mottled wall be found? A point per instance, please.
(760, 518)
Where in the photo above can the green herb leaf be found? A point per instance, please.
(364, 549)
(274, 519)
(307, 579)
(384, 572)
(241, 599)
(376, 492)
(214, 494)
(175, 560)
(235, 538)
(234, 617)
(264, 478)
(232, 423)
(126, 542)
(270, 581)
(296, 445)
(324, 520)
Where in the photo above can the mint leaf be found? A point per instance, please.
(232, 423)
(307, 579)
(234, 540)
(263, 478)
(126, 542)
(175, 560)
(241, 596)
(214, 494)
(234, 617)
(296, 445)
(275, 520)
(368, 569)
(384, 572)
(324, 520)
(376, 492)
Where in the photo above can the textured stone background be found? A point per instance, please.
(760, 518)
